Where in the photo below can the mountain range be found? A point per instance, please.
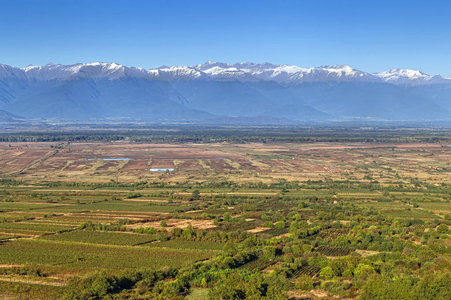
(219, 93)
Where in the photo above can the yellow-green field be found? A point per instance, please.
(66, 213)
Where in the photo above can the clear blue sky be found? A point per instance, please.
(368, 35)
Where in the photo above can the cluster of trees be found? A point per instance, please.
(99, 226)
(264, 134)
(149, 284)
(434, 286)
(189, 233)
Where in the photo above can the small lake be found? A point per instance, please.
(161, 169)
(108, 159)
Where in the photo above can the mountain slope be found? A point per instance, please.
(8, 118)
(242, 92)
(87, 98)
(370, 100)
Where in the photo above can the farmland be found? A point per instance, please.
(249, 162)
(90, 220)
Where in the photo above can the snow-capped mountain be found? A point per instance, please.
(93, 70)
(177, 73)
(284, 74)
(411, 77)
(221, 91)
(8, 72)
(292, 74)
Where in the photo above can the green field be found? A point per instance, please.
(273, 221)
(101, 237)
(64, 256)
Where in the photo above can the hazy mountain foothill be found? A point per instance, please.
(219, 93)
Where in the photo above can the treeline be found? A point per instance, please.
(333, 186)
(239, 135)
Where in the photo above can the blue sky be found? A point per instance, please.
(369, 35)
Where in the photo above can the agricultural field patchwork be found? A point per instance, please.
(131, 162)
(311, 219)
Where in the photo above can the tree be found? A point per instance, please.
(443, 228)
(188, 232)
(378, 287)
(363, 271)
(269, 252)
(433, 287)
(280, 224)
(195, 195)
(326, 273)
(304, 282)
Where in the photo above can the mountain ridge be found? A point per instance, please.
(218, 70)
(211, 91)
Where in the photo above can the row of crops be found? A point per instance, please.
(307, 270)
(64, 256)
(333, 233)
(257, 264)
(333, 250)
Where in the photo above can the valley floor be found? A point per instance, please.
(230, 221)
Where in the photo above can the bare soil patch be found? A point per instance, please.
(177, 223)
(258, 229)
(366, 253)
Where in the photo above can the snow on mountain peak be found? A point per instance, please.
(211, 70)
(407, 76)
(210, 64)
(342, 70)
(179, 73)
(110, 71)
(404, 73)
(284, 74)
